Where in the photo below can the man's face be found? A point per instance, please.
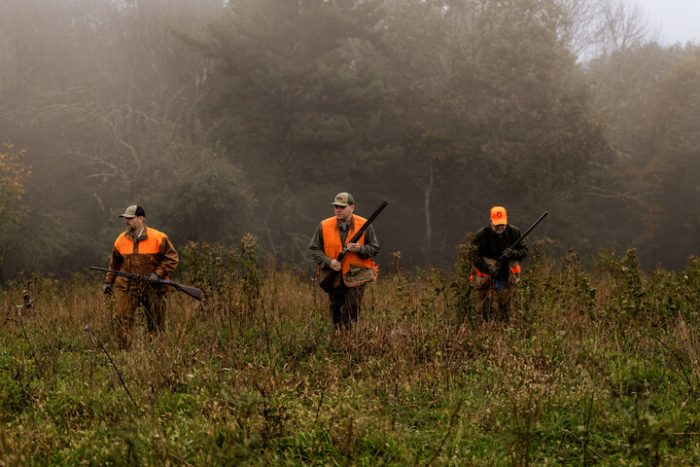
(344, 213)
(499, 229)
(134, 224)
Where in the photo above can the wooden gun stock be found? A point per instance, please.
(193, 292)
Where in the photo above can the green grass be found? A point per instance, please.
(593, 369)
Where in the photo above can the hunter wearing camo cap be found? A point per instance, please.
(145, 251)
(357, 267)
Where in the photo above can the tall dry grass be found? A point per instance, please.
(594, 367)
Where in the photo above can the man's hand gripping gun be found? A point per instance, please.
(193, 292)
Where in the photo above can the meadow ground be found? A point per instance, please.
(595, 367)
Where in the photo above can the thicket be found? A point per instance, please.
(598, 365)
(222, 118)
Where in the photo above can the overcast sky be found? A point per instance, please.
(675, 20)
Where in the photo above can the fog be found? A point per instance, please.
(222, 118)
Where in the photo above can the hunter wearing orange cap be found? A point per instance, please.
(494, 279)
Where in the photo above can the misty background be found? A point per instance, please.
(227, 117)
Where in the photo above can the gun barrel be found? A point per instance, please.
(522, 237)
(193, 292)
(544, 214)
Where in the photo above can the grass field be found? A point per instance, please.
(598, 367)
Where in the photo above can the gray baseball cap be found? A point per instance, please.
(343, 199)
(133, 211)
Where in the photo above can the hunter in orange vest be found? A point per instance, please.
(357, 267)
(147, 252)
(494, 280)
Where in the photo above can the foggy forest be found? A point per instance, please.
(234, 124)
(223, 118)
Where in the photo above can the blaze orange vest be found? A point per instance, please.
(332, 245)
(513, 269)
(151, 245)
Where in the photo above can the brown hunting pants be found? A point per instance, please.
(494, 305)
(153, 302)
(345, 305)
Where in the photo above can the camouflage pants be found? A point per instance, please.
(494, 305)
(345, 305)
(153, 302)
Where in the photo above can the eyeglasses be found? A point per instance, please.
(339, 207)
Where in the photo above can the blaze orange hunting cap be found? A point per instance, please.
(499, 216)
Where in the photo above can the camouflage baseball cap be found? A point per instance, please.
(343, 199)
(133, 211)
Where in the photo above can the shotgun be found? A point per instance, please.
(504, 256)
(328, 280)
(193, 292)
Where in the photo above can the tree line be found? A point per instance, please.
(222, 118)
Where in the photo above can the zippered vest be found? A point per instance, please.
(332, 245)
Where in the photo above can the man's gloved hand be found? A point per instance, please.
(107, 288)
(153, 277)
(509, 253)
